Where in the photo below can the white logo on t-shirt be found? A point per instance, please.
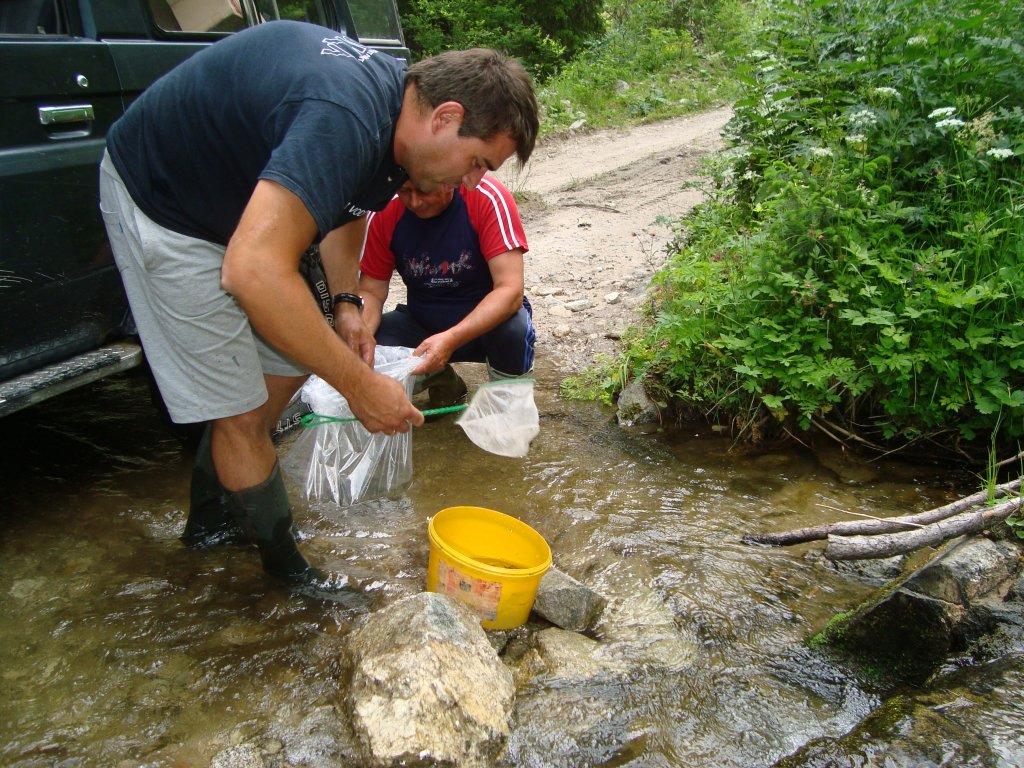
(343, 46)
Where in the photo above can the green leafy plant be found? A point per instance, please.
(432, 26)
(859, 263)
(1016, 525)
(600, 381)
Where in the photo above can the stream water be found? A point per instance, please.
(119, 647)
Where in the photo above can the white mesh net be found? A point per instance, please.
(502, 417)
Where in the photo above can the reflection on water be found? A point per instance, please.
(120, 647)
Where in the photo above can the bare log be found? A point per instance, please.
(888, 545)
(881, 525)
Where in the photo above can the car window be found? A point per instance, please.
(32, 17)
(375, 20)
(197, 15)
(296, 11)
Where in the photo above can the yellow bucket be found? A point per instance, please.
(488, 560)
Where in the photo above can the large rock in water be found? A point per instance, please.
(427, 688)
(909, 628)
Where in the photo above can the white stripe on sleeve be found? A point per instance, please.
(501, 212)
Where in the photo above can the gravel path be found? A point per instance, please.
(591, 206)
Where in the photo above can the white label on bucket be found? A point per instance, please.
(482, 596)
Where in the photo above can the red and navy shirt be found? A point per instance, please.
(443, 260)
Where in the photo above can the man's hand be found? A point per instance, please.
(349, 325)
(436, 351)
(383, 406)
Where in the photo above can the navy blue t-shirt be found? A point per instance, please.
(441, 265)
(291, 102)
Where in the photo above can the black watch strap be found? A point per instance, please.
(351, 298)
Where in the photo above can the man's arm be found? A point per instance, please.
(261, 271)
(375, 293)
(496, 307)
(339, 252)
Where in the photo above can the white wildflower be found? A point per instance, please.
(950, 122)
(1000, 153)
(856, 138)
(869, 197)
(887, 92)
(917, 40)
(942, 112)
(757, 54)
(863, 118)
(750, 175)
(1006, 43)
(821, 152)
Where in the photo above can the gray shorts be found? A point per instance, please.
(207, 360)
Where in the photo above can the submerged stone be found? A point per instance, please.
(427, 688)
(900, 732)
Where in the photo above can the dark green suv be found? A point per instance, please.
(71, 68)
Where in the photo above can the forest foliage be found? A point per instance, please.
(597, 63)
(858, 267)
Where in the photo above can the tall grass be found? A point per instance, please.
(859, 264)
(657, 59)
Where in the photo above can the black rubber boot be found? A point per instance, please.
(265, 515)
(209, 522)
(444, 388)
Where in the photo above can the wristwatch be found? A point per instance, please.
(351, 298)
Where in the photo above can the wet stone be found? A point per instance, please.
(906, 631)
(635, 407)
(427, 687)
(567, 603)
(970, 569)
(241, 756)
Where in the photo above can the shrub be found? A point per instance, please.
(859, 266)
(542, 35)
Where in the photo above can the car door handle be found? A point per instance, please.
(78, 113)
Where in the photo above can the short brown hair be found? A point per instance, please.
(495, 91)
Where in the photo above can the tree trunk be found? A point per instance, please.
(880, 526)
(888, 545)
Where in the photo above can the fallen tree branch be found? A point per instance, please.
(1012, 460)
(881, 525)
(888, 545)
(828, 428)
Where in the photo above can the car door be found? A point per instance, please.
(59, 95)
(71, 69)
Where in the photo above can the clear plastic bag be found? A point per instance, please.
(341, 460)
(502, 417)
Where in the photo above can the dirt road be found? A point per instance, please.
(590, 208)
